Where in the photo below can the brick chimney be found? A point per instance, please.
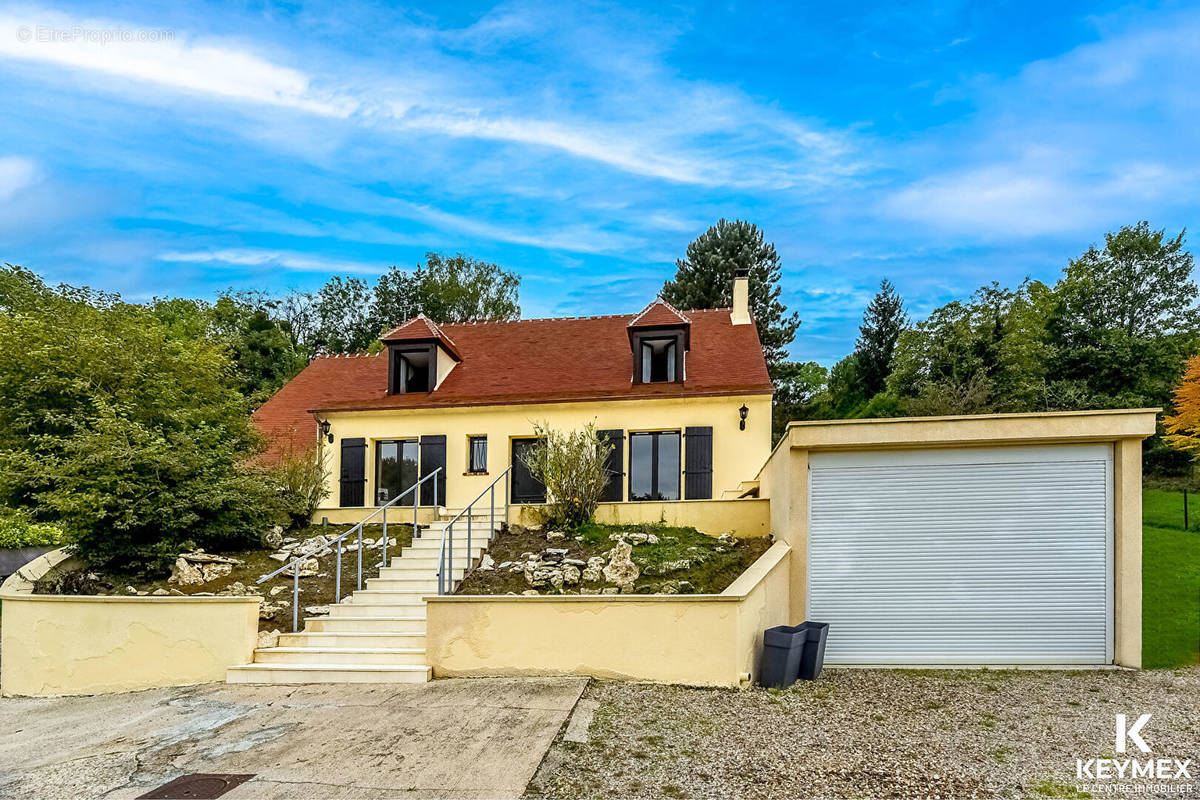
(741, 297)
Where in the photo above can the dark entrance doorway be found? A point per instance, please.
(525, 487)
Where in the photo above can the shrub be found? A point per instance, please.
(571, 465)
(17, 530)
(301, 475)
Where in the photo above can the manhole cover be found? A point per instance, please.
(196, 787)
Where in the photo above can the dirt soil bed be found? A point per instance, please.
(880, 734)
(317, 590)
(713, 563)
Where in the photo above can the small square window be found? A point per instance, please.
(477, 454)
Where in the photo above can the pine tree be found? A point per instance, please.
(705, 280)
(882, 323)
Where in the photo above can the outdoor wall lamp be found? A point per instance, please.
(743, 412)
(325, 430)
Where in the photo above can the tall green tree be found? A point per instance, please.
(447, 289)
(704, 279)
(126, 427)
(1126, 318)
(882, 323)
(341, 318)
(798, 388)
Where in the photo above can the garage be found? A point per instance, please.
(963, 555)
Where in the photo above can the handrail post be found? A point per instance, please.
(470, 558)
(383, 546)
(450, 571)
(337, 592)
(416, 508)
(360, 549)
(295, 596)
(492, 526)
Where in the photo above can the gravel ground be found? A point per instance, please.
(877, 733)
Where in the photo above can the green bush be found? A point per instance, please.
(18, 530)
(126, 429)
(571, 465)
(302, 480)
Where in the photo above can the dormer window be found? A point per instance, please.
(412, 370)
(658, 360)
(420, 356)
(659, 337)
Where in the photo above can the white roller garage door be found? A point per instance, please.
(968, 556)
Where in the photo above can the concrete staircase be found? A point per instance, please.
(376, 635)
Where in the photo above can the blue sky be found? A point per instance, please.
(179, 151)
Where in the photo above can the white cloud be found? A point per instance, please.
(636, 117)
(16, 173)
(162, 57)
(252, 257)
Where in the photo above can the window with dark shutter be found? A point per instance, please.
(698, 467)
(353, 473)
(614, 464)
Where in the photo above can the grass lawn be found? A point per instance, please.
(1170, 580)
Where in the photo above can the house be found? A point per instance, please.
(683, 397)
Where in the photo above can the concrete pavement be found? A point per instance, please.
(463, 738)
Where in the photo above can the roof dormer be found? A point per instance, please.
(659, 337)
(420, 356)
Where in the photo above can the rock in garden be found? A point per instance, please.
(651, 538)
(592, 575)
(637, 538)
(554, 535)
(505, 565)
(586, 590)
(198, 556)
(213, 571)
(610, 590)
(577, 562)
(621, 570)
(570, 574)
(269, 610)
(596, 561)
(268, 638)
(316, 610)
(531, 592)
(669, 587)
(185, 574)
(487, 563)
(277, 590)
(160, 592)
(668, 567)
(556, 579)
(280, 557)
(727, 539)
(308, 568)
(273, 538)
(686, 587)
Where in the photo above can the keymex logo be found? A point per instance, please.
(1159, 769)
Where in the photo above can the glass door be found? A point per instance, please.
(397, 469)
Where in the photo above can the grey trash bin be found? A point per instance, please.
(783, 650)
(814, 649)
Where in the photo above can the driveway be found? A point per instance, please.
(469, 738)
(882, 734)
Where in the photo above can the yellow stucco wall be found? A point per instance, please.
(784, 480)
(748, 517)
(701, 640)
(68, 645)
(737, 454)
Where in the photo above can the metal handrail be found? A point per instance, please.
(382, 545)
(445, 575)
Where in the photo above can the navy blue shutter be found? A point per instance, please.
(353, 472)
(697, 466)
(614, 465)
(433, 456)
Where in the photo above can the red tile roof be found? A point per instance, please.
(420, 328)
(659, 312)
(524, 361)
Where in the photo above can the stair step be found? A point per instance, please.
(376, 596)
(366, 623)
(328, 673)
(396, 609)
(354, 639)
(412, 656)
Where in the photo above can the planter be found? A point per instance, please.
(783, 650)
(15, 558)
